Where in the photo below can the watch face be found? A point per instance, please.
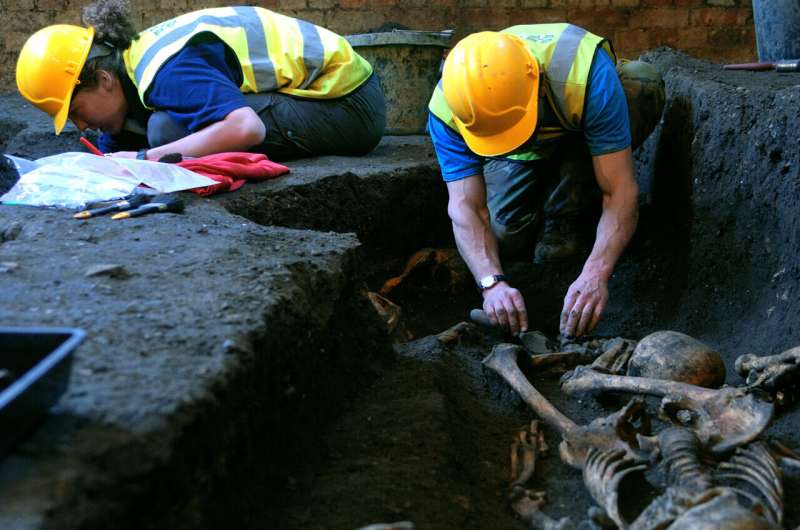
(488, 281)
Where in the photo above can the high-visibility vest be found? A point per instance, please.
(565, 53)
(276, 52)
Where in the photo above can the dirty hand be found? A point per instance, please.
(123, 154)
(505, 307)
(584, 304)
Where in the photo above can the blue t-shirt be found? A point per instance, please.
(198, 86)
(606, 126)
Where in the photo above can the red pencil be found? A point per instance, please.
(90, 146)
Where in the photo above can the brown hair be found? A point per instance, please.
(114, 32)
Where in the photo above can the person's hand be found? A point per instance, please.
(584, 304)
(123, 154)
(505, 307)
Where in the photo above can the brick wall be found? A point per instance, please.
(721, 30)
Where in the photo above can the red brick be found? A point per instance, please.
(346, 22)
(626, 39)
(659, 17)
(658, 3)
(690, 3)
(727, 37)
(589, 18)
(315, 16)
(692, 37)
(353, 4)
(539, 16)
(292, 4)
(488, 18)
(626, 3)
(721, 16)
(579, 3)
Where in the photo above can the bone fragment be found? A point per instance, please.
(525, 451)
(745, 363)
(562, 360)
(527, 505)
(771, 372)
(614, 359)
(455, 333)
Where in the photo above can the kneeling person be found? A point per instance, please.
(532, 131)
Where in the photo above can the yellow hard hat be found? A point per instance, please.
(491, 84)
(49, 65)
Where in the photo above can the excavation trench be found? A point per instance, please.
(310, 417)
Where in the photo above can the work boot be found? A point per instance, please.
(561, 240)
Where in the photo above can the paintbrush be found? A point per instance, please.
(159, 203)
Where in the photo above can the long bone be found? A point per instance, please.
(726, 417)
(615, 431)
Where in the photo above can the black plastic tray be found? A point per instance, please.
(41, 361)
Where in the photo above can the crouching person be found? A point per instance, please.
(214, 80)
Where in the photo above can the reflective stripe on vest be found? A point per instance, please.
(565, 53)
(276, 52)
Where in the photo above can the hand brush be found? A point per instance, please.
(126, 204)
(159, 203)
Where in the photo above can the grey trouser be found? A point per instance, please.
(351, 125)
(520, 195)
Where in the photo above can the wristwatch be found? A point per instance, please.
(141, 154)
(487, 282)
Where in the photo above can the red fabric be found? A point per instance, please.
(231, 170)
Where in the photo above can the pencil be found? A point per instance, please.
(90, 146)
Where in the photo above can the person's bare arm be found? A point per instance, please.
(477, 244)
(587, 297)
(240, 130)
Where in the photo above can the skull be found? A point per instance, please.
(677, 357)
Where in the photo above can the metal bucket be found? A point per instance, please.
(777, 29)
(408, 65)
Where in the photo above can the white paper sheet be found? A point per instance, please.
(70, 180)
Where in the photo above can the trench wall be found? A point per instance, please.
(720, 30)
(721, 218)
